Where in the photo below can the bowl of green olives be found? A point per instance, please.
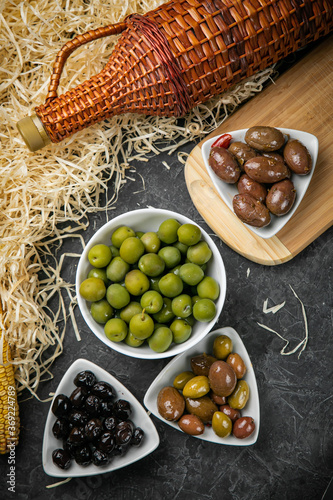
(209, 392)
(262, 174)
(151, 283)
(94, 425)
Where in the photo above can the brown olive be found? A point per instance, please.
(254, 188)
(240, 395)
(224, 165)
(297, 157)
(281, 197)
(266, 170)
(231, 412)
(251, 211)
(219, 400)
(274, 155)
(170, 403)
(264, 138)
(222, 378)
(243, 427)
(204, 408)
(191, 424)
(242, 152)
(237, 363)
(200, 364)
(222, 346)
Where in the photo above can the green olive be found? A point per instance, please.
(128, 311)
(222, 346)
(151, 264)
(117, 296)
(117, 269)
(182, 305)
(92, 289)
(101, 311)
(196, 387)
(131, 249)
(165, 314)
(141, 325)
(204, 310)
(120, 235)
(170, 285)
(161, 339)
(133, 341)
(170, 255)
(181, 379)
(221, 424)
(136, 282)
(151, 301)
(181, 330)
(208, 288)
(99, 273)
(189, 234)
(167, 232)
(191, 274)
(199, 254)
(99, 255)
(240, 395)
(116, 329)
(151, 242)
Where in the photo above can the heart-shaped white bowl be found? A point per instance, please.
(149, 219)
(301, 182)
(139, 417)
(182, 363)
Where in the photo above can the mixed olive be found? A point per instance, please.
(261, 167)
(93, 425)
(151, 287)
(212, 392)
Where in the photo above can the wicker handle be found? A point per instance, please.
(69, 47)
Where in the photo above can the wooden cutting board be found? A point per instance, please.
(301, 99)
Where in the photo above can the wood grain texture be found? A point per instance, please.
(301, 99)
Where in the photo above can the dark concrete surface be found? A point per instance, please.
(293, 456)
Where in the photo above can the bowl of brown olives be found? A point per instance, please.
(210, 391)
(262, 173)
(94, 425)
(151, 283)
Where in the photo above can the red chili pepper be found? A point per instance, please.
(222, 142)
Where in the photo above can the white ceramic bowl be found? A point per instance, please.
(149, 220)
(301, 182)
(182, 363)
(139, 417)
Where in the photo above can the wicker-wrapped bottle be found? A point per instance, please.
(175, 57)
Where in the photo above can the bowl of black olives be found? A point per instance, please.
(94, 425)
(209, 392)
(151, 283)
(262, 173)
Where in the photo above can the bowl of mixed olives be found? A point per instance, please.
(150, 283)
(94, 425)
(262, 173)
(209, 392)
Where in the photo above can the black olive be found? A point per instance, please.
(92, 404)
(61, 458)
(99, 458)
(119, 450)
(137, 437)
(78, 418)
(60, 428)
(122, 409)
(69, 447)
(106, 408)
(124, 432)
(85, 378)
(93, 429)
(61, 406)
(110, 424)
(106, 442)
(78, 396)
(76, 436)
(82, 455)
(104, 390)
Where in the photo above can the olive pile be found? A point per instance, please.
(262, 168)
(213, 392)
(151, 286)
(93, 425)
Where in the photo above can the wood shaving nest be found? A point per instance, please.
(47, 196)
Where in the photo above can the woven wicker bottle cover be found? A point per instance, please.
(174, 58)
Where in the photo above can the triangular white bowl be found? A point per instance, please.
(301, 182)
(139, 417)
(182, 363)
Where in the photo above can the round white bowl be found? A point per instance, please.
(149, 219)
